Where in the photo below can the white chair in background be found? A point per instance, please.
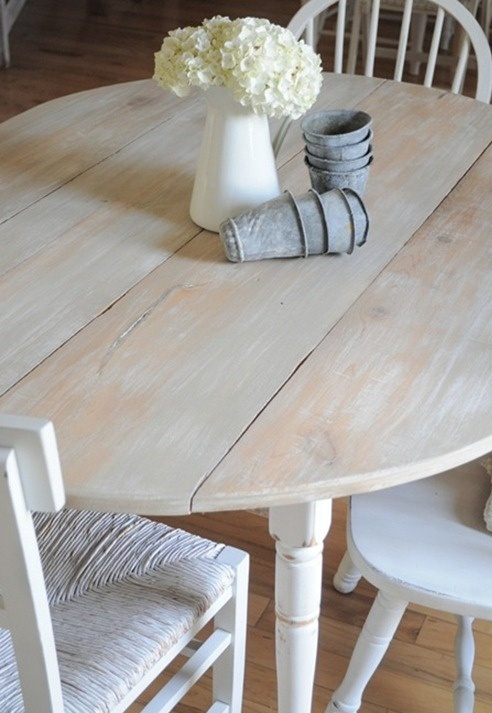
(94, 606)
(306, 20)
(425, 543)
(423, 12)
(9, 10)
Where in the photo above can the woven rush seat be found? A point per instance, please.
(123, 590)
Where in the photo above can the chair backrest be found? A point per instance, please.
(306, 21)
(32, 481)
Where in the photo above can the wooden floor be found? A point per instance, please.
(61, 46)
(64, 46)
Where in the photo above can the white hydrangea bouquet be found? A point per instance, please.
(263, 64)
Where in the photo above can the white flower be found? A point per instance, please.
(263, 64)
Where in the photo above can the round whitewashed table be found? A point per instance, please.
(180, 382)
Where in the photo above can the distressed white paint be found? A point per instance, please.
(299, 532)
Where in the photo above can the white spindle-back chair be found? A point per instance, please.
(306, 19)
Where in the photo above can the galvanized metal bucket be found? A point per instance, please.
(336, 127)
(297, 226)
(327, 180)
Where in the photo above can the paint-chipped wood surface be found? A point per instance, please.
(178, 381)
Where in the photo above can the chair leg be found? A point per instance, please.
(373, 641)
(419, 24)
(447, 33)
(4, 36)
(228, 670)
(347, 575)
(464, 649)
(486, 16)
(354, 37)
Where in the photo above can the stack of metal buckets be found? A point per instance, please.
(331, 217)
(297, 226)
(338, 150)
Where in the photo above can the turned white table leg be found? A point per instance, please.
(299, 531)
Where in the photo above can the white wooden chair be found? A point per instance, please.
(426, 543)
(94, 606)
(423, 13)
(306, 20)
(9, 10)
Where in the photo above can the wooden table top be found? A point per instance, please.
(180, 382)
